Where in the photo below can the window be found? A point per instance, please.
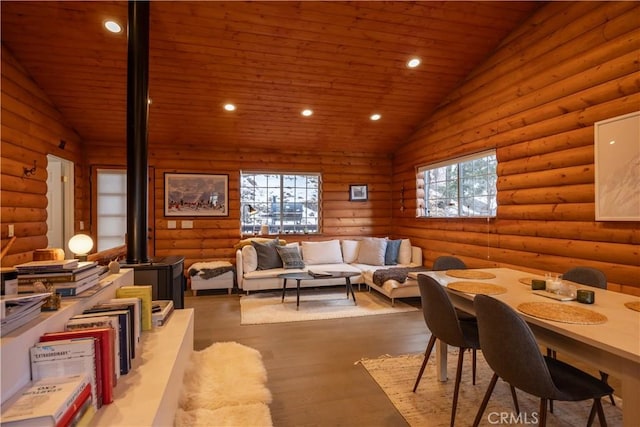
(283, 203)
(463, 187)
(111, 208)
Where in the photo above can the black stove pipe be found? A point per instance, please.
(137, 118)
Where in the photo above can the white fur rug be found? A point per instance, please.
(225, 385)
(315, 304)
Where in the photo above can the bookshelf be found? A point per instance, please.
(165, 353)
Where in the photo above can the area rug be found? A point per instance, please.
(315, 304)
(430, 405)
(225, 385)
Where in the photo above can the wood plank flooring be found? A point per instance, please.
(311, 365)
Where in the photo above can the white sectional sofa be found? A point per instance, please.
(256, 268)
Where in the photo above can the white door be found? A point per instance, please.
(60, 197)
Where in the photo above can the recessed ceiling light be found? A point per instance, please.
(112, 26)
(229, 107)
(375, 117)
(307, 112)
(413, 62)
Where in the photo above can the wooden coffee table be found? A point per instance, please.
(298, 277)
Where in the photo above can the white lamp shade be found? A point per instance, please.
(80, 244)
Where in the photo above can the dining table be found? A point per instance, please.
(607, 339)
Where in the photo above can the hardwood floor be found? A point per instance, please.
(311, 365)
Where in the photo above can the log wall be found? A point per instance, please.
(32, 128)
(535, 100)
(214, 238)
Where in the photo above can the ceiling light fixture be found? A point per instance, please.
(112, 26)
(375, 117)
(307, 112)
(229, 107)
(413, 62)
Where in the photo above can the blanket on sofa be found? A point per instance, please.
(208, 273)
(396, 273)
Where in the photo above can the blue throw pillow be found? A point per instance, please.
(391, 255)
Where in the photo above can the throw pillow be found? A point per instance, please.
(372, 251)
(391, 254)
(268, 257)
(404, 255)
(290, 256)
(327, 252)
(350, 250)
(249, 259)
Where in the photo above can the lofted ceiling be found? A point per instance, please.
(343, 60)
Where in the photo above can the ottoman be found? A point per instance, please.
(212, 275)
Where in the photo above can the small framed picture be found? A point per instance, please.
(358, 193)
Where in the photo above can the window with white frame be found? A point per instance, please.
(462, 187)
(280, 202)
(111, 208)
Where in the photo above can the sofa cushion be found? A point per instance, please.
(372, 251)
(327, 252)
(249, 259)
(350, 250)
(404, 255)
(391, 254)
(268, 256)
(290, 256)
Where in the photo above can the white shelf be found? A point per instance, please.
(14, 347)
(148, 394)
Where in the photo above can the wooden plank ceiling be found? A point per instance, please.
(343, 60)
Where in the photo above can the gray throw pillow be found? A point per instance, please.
(268, 257)
(290, 256)
(391, 254)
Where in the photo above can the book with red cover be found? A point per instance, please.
(107, 354)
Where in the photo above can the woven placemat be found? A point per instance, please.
(633, 305)
(477, 288)
(470, 274)
(562, 313)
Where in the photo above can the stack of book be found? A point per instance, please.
(17, 310)
(69, 278)
(54, 401)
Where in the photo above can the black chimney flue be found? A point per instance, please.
(137, 118)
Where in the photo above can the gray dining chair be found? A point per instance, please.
(447, 262)
(508, 345)
(442, 321)
(586, 276)
(593, 277)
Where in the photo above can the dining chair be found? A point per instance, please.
(447, 262)
(511, 350)
(593, 277)
(442, 321)
(586, 276)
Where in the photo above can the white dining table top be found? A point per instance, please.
(619, 335)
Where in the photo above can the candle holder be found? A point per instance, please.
(586, 296)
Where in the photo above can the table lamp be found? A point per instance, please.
(81, 245)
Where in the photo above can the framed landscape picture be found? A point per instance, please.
(358, 193)
(191, 194)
